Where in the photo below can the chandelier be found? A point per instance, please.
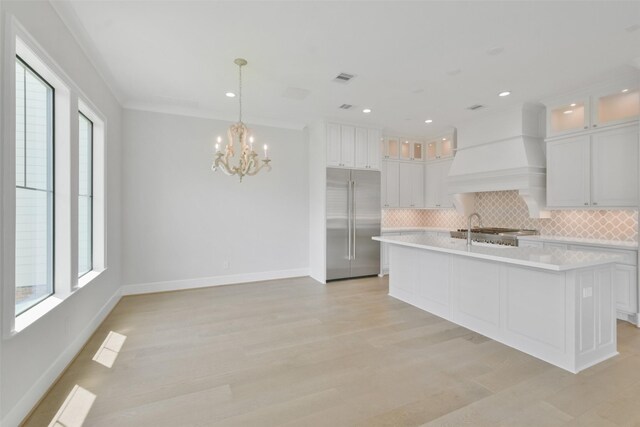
(238, 135)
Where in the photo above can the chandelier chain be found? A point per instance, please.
(240, 90)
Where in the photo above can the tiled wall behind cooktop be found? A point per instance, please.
(507, 209)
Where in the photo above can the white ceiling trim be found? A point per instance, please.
(69, 17)
(203, 113)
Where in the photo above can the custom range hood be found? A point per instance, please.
(501, 151)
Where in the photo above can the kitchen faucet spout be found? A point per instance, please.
(477, 215)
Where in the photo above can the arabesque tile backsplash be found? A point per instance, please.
(507, 209)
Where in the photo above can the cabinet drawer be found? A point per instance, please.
(629, 257)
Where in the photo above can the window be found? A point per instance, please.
(34, 188)
(85, 196)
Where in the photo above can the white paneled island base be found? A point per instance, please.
(535, 300)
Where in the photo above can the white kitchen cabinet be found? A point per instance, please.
(436, 194)
(347, 146)
(614, 161)
(605, 105)
(568, 172)
(353, 147)
(367, 148)
(440, 148)
(373, 148)
(362, 148)
(340, 145)
(391, 148)
(390, 181)
(411, 185)
(334, 145)
(595, 170)
(411, 150)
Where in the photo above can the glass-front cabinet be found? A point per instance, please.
(569, 116)
(613, 107)
(391, 148)
(441, 147)
(608, 105)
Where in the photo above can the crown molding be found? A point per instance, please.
(204, 113)
(70, 19)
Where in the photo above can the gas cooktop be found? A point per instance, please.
(496, 235)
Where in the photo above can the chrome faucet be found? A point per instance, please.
(476, 214)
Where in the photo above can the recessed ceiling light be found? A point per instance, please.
(573, 105)
(428, 121)
(230, 95)
(444, 139)
(568, 112)
(366, 110)
(625, 90)
(504, 93)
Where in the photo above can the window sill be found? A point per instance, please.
(88, 277)
(36, 312)
(39, 310)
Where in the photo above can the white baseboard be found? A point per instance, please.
(205, 282)
(26, 403)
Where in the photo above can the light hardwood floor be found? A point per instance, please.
(297, 353)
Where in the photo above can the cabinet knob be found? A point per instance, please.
(595, 126)
(586, 204)
(586, 127)
(595, 203)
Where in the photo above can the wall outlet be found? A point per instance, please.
(225, 265)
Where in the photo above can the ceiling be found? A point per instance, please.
(412, 60)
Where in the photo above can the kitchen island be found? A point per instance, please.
(556, 305)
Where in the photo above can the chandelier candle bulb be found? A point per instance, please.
(265, 151)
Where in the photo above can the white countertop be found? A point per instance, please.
(401, 229)
(618, 244)
(547, 259)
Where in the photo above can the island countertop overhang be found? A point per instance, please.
(546, 259)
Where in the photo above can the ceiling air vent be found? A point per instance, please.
(346, 107)
(343, 78)
(476, 107)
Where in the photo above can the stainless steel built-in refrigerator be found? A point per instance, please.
(353, 217)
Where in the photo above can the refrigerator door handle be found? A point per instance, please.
(353, 216)
(349, 218)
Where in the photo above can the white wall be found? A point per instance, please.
(316, 134)
(182, 221)
(32, 359)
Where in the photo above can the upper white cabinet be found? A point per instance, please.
(595, 170)
(403, 149)
(435, 177)
(367, 148)
(411, 150)
(353, 147)
(441, 147)
(411, 185)
(391, 148)
(606, 105)
(390, 182)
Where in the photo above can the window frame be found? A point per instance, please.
(90, 196)
(51, 211)
(69, 98)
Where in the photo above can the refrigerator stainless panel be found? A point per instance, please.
(338, 242)
(367, 216)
